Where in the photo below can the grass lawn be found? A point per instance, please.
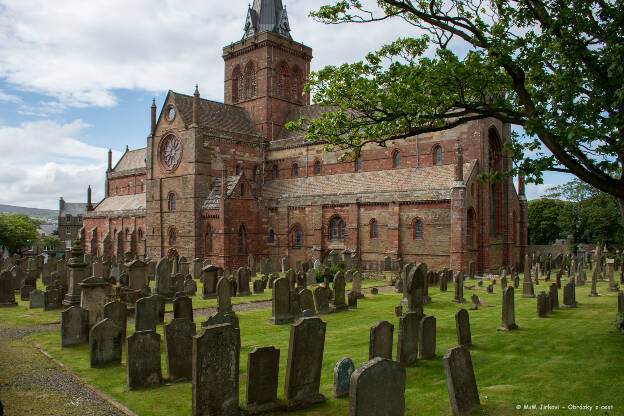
(571, 357)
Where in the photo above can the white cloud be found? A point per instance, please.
(45, 160)
(534, 191)
(79, 52)
(9, 98)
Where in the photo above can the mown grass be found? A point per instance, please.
(571, 357)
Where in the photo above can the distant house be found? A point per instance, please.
(70, 220)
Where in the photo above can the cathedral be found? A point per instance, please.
(219, 181)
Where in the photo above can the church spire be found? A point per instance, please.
(267, 15)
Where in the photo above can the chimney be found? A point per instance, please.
(110, 160)
(153, 127)
(89, 205)
(196, 106)
(459, 161)
(521, 184)
(61, 204)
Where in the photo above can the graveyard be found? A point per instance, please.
(562, 356)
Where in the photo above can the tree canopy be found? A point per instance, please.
(552, 67)
(18, 231)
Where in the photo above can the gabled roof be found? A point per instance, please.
(73, 208)
(122, 203)
(132, 159)
(214, 115)
(292, 137)
(419, 183)
(213, 200)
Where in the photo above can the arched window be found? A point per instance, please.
(496, 190)
(237, 83)
(297, 84)
(171, 203)
(295, 170)
(297, 238)
(127, 234)
(373, 229)
(437, 155)
(173, 238)
(337, 229)
(317, 167)
(358, 164)
(209, 239)
(237, 170)
(140, 234)
(396, 159)
(241, 239)
(282, 81)
(275, 172)
(250, 81)
(271, 236)
(242, 189)
(418, 229)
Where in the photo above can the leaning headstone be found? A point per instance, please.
(146, 314)
(105, 344)
(183, 308)
(508, 321)
(281, 303)
(407, 343)
(321, 300)
(569, 296)
(462, 325)
(460, 381)
(74, 326)
(179, 335)
(143, 360)
(117, 312)
(306, 300)
(378, 389)
(305, 360)
(415, 290)
(427, 337)
(475, 302)
(35, 299)
(262, 380)
(342, 376)
(381, 340)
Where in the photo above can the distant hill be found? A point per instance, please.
(36, 212)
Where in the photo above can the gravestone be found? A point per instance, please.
(381, 340)
(356, 286)
(611, 275)
(508, 320)
(554, 296)
(407, 342)
(258, 287)
(427, 337)
(462, 325)
(209, 278)
(196, 269)
(503, 283)
(224, 296)
(569, 296)
(178, 336)
(285, 266)
(52, 299)
(317, 264)
(475, 302)
(190, 286)
(594, 292)
(221, 318)
(146, 314)
(105, 341)
(378, 389)
(94, 293)
(118, 313)
(342, 377)
(281, 303)
(542, 304)
(305, 360)
(621, 301)
(339, 292)
(243, 282)
(334, 256)
(460, 381)
(36, 299)
(490, 288)
(387, 264)
(262, 380)
(183, 308)
(25, 292)
(352, 299)
(7, 290)
(415, 290)
(459, 288)
(74, 326)
(143, 360)
(398, 311)
(443, 281)
(164, 284)
(321, 300)
(471, 270)
(306, 300)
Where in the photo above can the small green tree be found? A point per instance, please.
(18, 231)
(49, 242)
(544, 227)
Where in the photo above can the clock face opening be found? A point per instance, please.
(171, 113)
(170, 152)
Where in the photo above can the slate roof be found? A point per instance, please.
(215, 115)
(73, 208)
(213, 200)
(412, 180)
(121, 203)
(292, 137)
(132, 159)
(266, 15)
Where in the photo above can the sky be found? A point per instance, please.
(78, 78)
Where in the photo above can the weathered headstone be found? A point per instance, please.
(74, 326)
(52, 299)
(306, 300)
(611, 275)
(179, 335)
(143, 367)
(554, 296)
(36, 299)
(94, 297)
(224, 295)
(462, 325)
(356, 285)
(209, 278)
(183, 308)
(475, 302)
(243, 282)
(378, 389)
(352, 299)
(381, 340)
(415, 290)
(459, 288)
(407, 342)
(460, 381)
(305, 360)
(146, 314)
(427, 337)
(342, 377)
(281, 303)
(262, 380)
(118, 313)
(569, 296)
(7, 290)
(321, 300)
(339, 292)
(164, 283)
(508, 320)
(105, 341)
(542, 304)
